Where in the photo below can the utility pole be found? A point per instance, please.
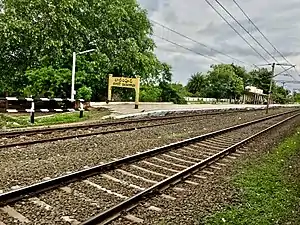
(73, 77)
(73, 92)
(274, 75)
(270, 89)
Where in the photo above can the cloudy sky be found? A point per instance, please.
(277, 19)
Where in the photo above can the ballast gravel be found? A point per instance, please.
(21, 166)
(212, 194)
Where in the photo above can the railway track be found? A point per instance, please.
(29, 132)
(100, 194)
(29, 137)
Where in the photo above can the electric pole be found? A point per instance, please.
(270, 89)
(274, 75)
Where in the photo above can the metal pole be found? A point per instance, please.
(73, 77)
(271, 82)
(32, 112)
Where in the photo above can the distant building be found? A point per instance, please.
(254, 95)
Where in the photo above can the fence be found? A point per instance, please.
(42, 105)
(206, 100)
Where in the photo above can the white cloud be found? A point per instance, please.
(277, 19)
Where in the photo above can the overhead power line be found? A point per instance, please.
(235, 30)
(199, 43)
(189, 49)
(273, 46)
(260, 31)
(247, 31)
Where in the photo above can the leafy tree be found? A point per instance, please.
(48, 82)
(280, 95)
(36, 34)
(180, 89)
(197, 85)
(296, 97)
(243, 74)
(166, 73)
(223, 82)
(261, 79)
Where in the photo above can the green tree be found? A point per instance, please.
(261, 79)
(243, 74)
(48, 82)
(197, 85)
(280, 95)
(296, 97)
(37, 34)
(223, 82)
(166, 73)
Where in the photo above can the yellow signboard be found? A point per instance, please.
(124, 82)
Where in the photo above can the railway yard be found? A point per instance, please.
(171, 169)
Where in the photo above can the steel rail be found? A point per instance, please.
(34, 189)
(67, 137)
(105, 124)
(114, 212)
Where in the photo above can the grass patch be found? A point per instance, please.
(269, 188)
(18, 121)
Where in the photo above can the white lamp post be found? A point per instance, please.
(73, 92)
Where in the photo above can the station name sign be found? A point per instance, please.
(123, 82)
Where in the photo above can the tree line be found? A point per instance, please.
(38, 37)
(229, 81)
(224, 81)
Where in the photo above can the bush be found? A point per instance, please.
(150, 94)
(85, 93)
(171, 93)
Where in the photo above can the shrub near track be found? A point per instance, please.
(269, 188)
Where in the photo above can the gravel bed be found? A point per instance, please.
(26, 165)
(170, 113)
(131, 180)
(180, 210)
(70, 205)
(36, 214)
(141, 173)
(164, 157)
(164, 164)
(113, 186)
(213, 193)
(154, 168)
(71, 132)
(79, 207)
(5, 219)
(242, 133)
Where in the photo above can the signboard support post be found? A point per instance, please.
(137, 92)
